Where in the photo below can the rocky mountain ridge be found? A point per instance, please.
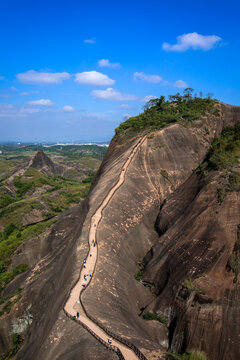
(159, 177)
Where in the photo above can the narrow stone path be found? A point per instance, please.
(73, 304)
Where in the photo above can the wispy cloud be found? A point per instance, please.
(14, 111)
(193, 41)
(180, 84)
(68, 108)
(89, 41)
(94, 78)
(149, 97)
(107, 63)
(126, 116)
(124, 106)
(111, 94)
(13, 89)
(149, 78)
(34, 77)
(42, 102)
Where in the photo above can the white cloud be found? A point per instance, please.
(93, 78)
(193, 41)
(149, 78)
(43, 102)
(13, 88)
(149, 97)
(14, 111)
(25, 93)
(6, 106)
(29, 111)
(89, 41)
(126, 116)
(111, 94)
(34, 77)
(180, 84)
(68, 108)
(124, 106)
(106, 63)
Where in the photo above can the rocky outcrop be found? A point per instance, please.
(43, 163)
(195, 236)
(188, 266)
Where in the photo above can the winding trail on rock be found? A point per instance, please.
(73, 304)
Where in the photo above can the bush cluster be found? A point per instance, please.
(154, 316)
(16, 344)
(224, 151)
(234, 260)
(160, 112)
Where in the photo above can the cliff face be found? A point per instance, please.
(196, 235)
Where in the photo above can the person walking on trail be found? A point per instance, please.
(95, 243)
(110, 341)
(90, 254)
(90, 274)
(78, 315)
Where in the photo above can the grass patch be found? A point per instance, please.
(193, 355)
(10, 240)
(160, 112)
(139, 275)
(10, 301)
(234, 260)
(154, 316)
(17, 341)
(224, 151)
(189, 284)
(7, 276)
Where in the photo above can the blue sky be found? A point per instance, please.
(73, 70)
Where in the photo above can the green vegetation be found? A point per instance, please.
(224, 154)
(224, 151)
(17, 341)
(160, 112)
(139, 275)
(234, 260)
(58, 195)
(193, 355)
(7, 276)
(34, 190)
(231, 182)
(9, 301)
(10, 239)
(90, 178)
(154, 316)
(189, 284)
(6, 200)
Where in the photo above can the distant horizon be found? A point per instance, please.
(56, 143)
